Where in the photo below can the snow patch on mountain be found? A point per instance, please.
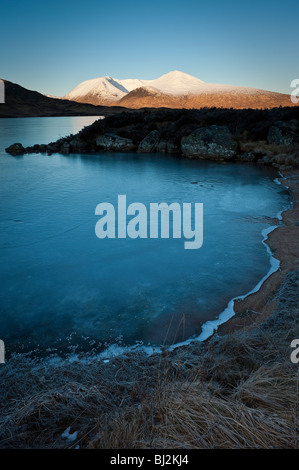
(105, 87)
(177, 83)
(131, 84)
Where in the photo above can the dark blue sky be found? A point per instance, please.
(51, 46)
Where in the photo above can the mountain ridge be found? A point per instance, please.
(21, 102)
(174, 89)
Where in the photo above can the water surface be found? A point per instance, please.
(62, 286)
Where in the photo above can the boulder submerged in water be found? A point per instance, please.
(213, 142)
(15, 149)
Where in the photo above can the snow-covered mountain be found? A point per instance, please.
(174, 89)
(111, 89)
(98, 90)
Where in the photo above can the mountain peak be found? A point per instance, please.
(180, 74)
(178, 83)
(177, 73)
(174, 73)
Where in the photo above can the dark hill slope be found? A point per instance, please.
(20, 102)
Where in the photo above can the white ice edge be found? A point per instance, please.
(209, 328)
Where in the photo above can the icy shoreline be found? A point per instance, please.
(208, 328)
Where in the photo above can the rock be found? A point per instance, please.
(65, 148)
(172, 147)
(115, 143)
(15, 149)
(35, 148)
(51, 149)
(150, 143)
(267, 159)
(162, 146)
(247, 157)
(281, 159)
(260, 152)
(213, 142)
(77, 145)
(295, 160)
(280, 134)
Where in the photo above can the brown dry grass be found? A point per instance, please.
(263, 146)
(221, 403)
(234, 99)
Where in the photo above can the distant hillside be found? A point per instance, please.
(222, 98)
(174, 90)
(20, 102)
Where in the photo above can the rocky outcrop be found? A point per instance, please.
(150, 143)
(268, 138)
(114, 143)
(214, 142)
(15, 149)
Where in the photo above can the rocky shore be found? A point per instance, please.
(283, 243)
(268, 137)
